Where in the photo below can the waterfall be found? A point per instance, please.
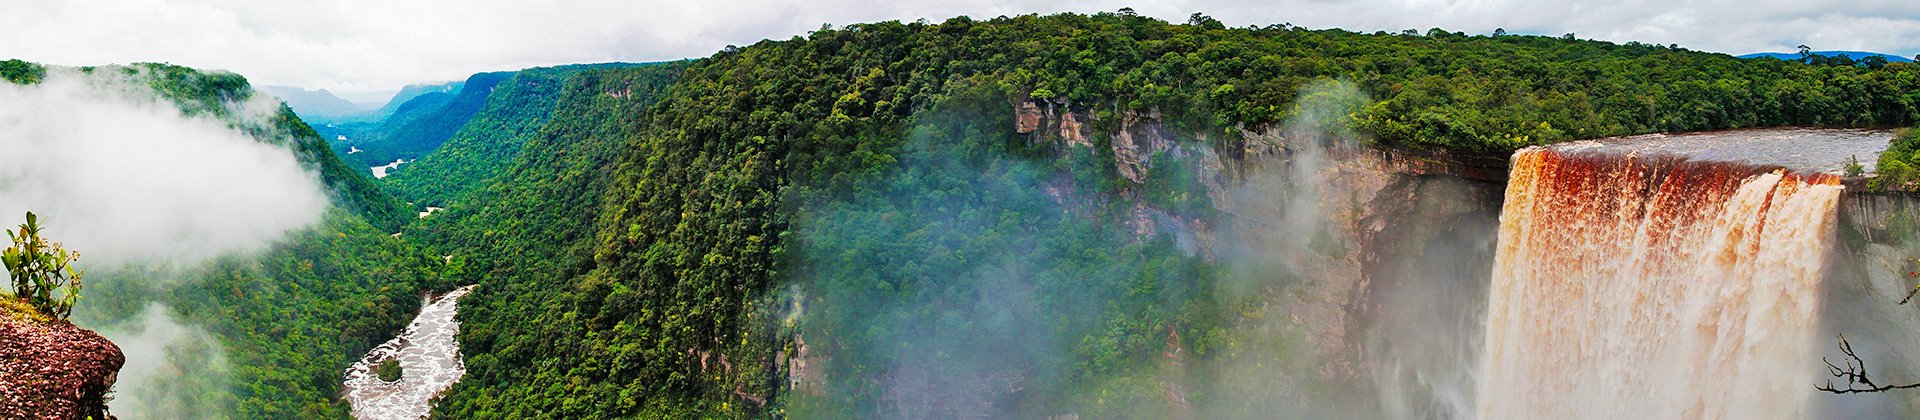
(1630, 285)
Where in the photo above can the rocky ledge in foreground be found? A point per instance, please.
(53, 369)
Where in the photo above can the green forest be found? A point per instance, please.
(869, 174)
(661, 240)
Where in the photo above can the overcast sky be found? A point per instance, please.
(365, 49)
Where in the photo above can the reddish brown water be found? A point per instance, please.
(1634, 283)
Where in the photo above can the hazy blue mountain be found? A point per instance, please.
(414, 91)
(1856, 55)
(315, 103)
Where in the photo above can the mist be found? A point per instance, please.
(123, 176)
(1015, 278)
(146, 193)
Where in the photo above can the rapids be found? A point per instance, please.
(383, 170)
(429, 363)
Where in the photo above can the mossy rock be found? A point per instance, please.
(15, 310)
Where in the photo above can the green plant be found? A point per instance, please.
(1854, 168)
(21, 72)
(388, 370)
(38, 267)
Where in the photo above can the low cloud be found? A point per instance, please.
(124, 177)
(146, 193)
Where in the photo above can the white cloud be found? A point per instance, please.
(123, 177)
(378, 45)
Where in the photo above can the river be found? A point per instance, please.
(381, 171)
(429, 361)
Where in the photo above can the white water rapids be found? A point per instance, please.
(429, 363)
(382, 170)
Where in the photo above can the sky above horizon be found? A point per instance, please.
(363, 50)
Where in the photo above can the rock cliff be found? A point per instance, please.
(51, 369)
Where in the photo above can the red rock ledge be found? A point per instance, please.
(54, 370)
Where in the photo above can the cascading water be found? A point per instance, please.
(429, 360)
(1648, 285)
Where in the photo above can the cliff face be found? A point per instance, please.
(1867, 278)
(54, 370)
(1388, 251)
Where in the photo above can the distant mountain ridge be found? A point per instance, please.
(316, 103)
(412, 91)
(1856, 55)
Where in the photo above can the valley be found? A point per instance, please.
(1102, 215)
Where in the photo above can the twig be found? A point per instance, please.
(1855, 373)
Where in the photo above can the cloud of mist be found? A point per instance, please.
(1366, 286)
(943, 319)
(969, 280)
(173, 371)
(145, 193)
(123, 177)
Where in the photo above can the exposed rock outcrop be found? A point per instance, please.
(54, 370)
(1140, 137)
(1027, 117)
(1051, 120)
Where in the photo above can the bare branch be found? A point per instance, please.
(1855, 373)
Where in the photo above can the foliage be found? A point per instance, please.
(288, 319)
(528, 229)
(645, 232)
(292, 319)
(973, 258)
(490, 140)
(21, 72)
(42, 271)
(703, 223)
(1895, 170)
(388, 370)
(17, 310)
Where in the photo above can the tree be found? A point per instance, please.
(21, 72)
(1874, 62)
(39, 267)
(1499, 31)
(1204, 21)
(1806, 53)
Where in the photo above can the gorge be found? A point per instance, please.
(1037, 216)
